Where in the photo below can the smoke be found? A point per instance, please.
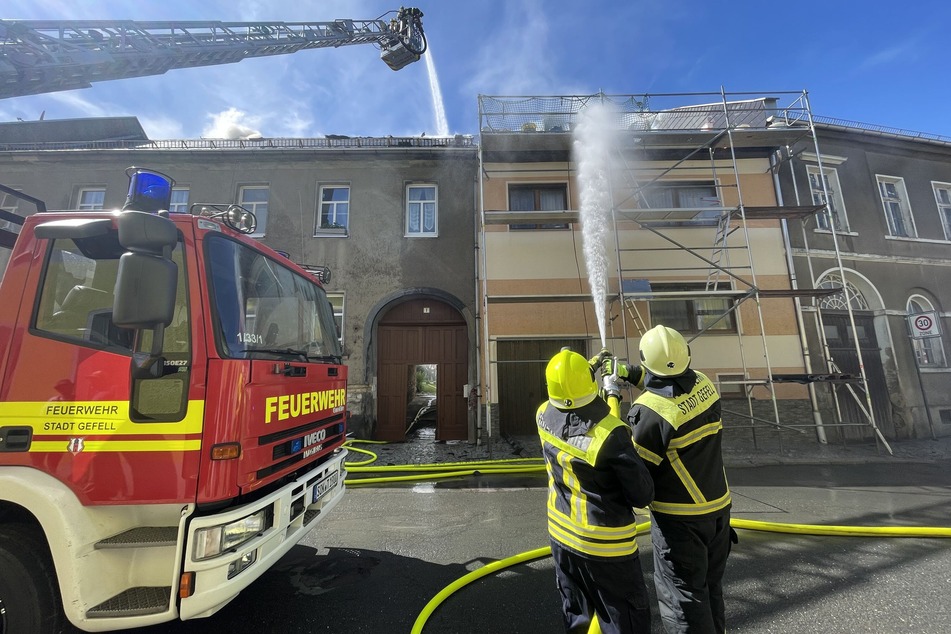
(593, 139)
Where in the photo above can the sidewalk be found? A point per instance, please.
(739, 449)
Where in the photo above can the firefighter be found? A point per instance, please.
(595, 479)
(677, 431)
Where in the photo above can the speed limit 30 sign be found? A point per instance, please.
(924, 325)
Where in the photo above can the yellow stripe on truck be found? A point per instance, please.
(100, 426)
(102, 446)
(94, 418)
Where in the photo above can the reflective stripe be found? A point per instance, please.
(104, 446)
(710, 429)
(680, 409)
(681, 470)
(648, 455)
(103, 426)
(672, 508)
(598, 549)
(677, 412)
(628, 531)
(94, 418)
(571, 525)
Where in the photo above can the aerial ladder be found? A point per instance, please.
(42, 56)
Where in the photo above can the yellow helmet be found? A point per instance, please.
(571, 382)
(664, 351)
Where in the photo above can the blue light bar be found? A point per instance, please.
(148, 190)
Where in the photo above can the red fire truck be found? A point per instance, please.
(172, 413)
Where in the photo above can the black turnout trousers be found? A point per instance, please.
(614, 589)
(689, 561)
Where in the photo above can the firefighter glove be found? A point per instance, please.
(598, 360)
(613, 366)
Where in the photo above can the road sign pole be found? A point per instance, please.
(920, 327)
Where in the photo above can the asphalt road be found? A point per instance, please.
(375, 564)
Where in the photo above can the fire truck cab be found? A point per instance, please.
(172, 413)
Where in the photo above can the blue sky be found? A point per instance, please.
(871, 62)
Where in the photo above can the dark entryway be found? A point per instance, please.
(521, 370)
(838, 333)
(418, 334)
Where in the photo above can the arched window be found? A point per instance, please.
(841, 301)
(930, 350)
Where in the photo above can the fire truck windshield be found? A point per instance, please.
(265, 310)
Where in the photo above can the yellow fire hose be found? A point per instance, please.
(536, 465)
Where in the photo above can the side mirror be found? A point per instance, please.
(147, 277)
(145, 291)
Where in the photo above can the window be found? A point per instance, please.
(897, 210)
(179, 202)
(333, 216)
(538, 198)
(929, 351)
(825, 191)
(942, 195)
(76, 296)
(254, 199)
(264, 310)
(850, 296)
(92, 198)
(8, 202)
(693, 311)
(337, 302)
(421, 210)
(9, 226)
(685, 195)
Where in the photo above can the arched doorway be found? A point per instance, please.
(841, 341)
(428, 338)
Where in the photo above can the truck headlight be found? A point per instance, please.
(214, 540)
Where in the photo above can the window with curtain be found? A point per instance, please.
(421, 211)
(538, 198)
(179, 202)
(92, 198)
(684, 195)
(693, 311)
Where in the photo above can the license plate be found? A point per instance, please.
(324, 485)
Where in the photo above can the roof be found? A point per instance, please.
(73, 130)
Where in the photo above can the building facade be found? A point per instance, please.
(392, 218)
(679, 224)
(884, 233)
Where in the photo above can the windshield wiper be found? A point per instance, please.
(324, 357)
(285, 351)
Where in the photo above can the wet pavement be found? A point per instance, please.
(378, 561)
(385, 553)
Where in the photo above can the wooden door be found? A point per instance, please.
(421, 332)
(838, 333)
(521, 371)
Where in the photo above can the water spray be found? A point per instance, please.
(592, 143)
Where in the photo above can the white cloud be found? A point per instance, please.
(162, 127)
(232, 124)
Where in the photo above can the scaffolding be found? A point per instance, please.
(694, 187)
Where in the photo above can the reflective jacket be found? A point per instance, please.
(595, 480)
(678, 433)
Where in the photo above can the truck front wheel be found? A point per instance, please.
(29, 597)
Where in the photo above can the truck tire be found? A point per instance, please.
(29, 596)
